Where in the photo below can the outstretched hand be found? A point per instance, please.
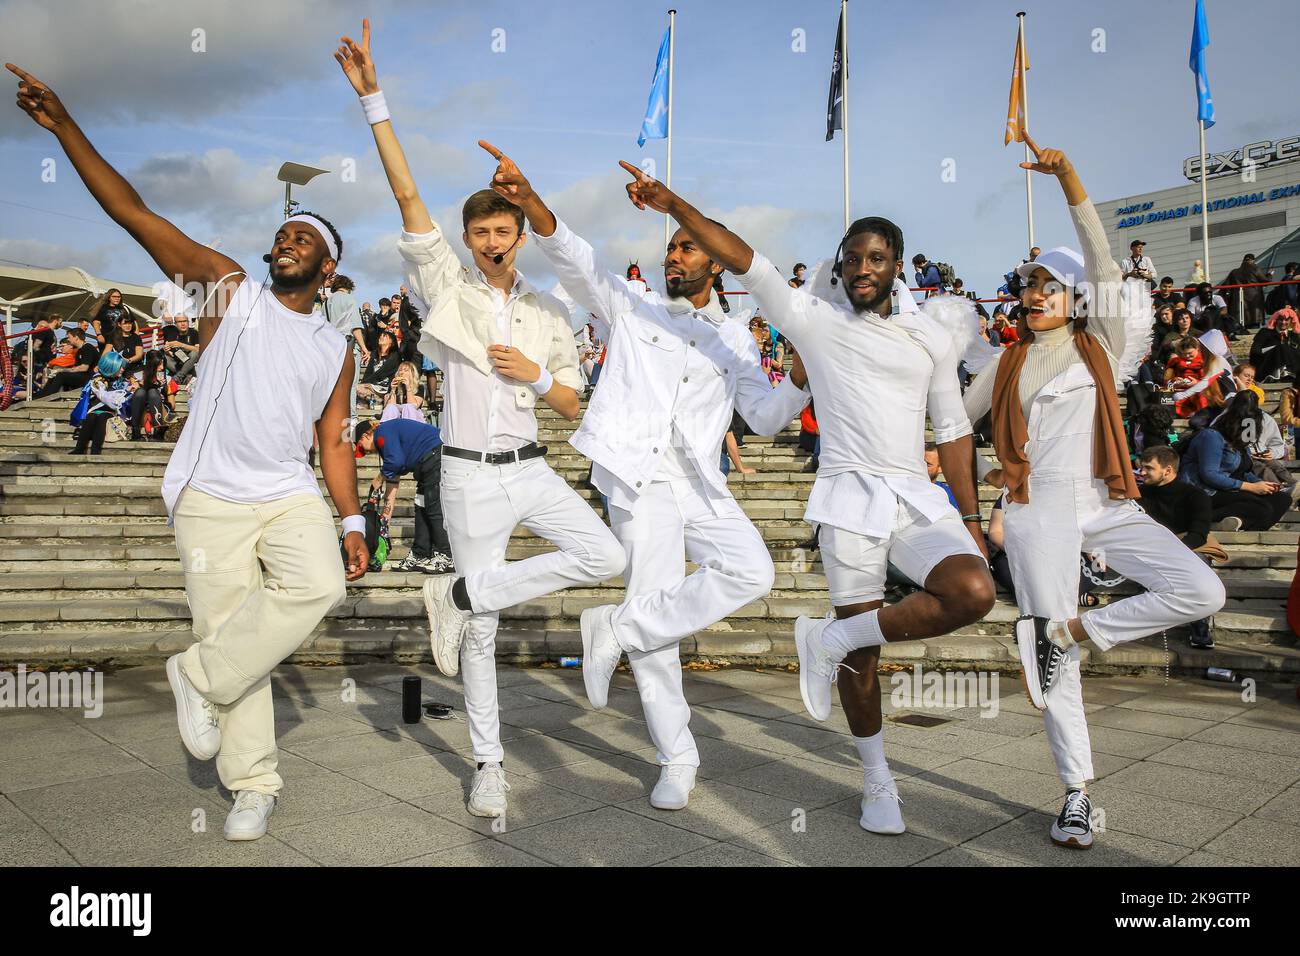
(356, 62)
(1050, 161)
(37, 100)
(645, 190)
(508, 182)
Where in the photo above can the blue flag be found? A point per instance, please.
(1200, 40)
(655, 124)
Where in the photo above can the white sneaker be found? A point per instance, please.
(247, 819)
(880, 805)
(673, 791)
(446, 623)
(817, 668)
(600, 653)
(487, 795)
(196, 716)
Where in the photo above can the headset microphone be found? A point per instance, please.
(700, 275)
(500, 256)
(266, 258)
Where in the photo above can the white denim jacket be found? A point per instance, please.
(646, 387)
(462, 318)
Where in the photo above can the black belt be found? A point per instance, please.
(524, 453)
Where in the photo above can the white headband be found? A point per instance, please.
(320, 227)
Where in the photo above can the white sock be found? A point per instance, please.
(844, 636)
(1059, 632)
(872, 751)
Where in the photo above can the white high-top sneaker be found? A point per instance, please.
(247, 819)
(446, 623)
(673, 791)
(196, 716)
(600, 653)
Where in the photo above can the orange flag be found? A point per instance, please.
(1016, 103)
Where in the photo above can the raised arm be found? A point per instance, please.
(181, 259)
(359, 67)
(1106, 316)
(593, 287)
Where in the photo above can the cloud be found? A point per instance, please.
(51, 255)
(138, 62)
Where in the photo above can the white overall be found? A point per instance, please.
(1070, 511)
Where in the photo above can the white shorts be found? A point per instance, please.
(855, 564)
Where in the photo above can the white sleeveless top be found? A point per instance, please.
(252, 411)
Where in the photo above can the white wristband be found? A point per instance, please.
(375, 107)
(544, 383)
(355, 523)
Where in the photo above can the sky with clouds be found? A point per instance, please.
(201, 134)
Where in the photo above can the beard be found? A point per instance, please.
(679, 288)
(864, 305)
(297, 276)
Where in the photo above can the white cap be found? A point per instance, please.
(1064, 264)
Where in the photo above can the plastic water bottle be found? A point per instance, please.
(570, 661)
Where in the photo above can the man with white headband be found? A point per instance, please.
(503, 345)
(1069, 486)
(255, 537)
(875, 365)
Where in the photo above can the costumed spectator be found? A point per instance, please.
(771, 352)
(1246, 305)
(1183, 509)
(1194, 373)
(415, 447)
(1217, 460)
(1275, 352)
(106, 395)
(635, 282)
(76, 375)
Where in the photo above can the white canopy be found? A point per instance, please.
(28, 294)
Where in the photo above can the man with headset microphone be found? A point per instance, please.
(676, 368)
(876, 365)
(502, 346)
(251, 525)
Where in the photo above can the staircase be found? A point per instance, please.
(91, 575)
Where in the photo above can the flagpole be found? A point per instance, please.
(668, 173)
(1024, 91)
(844, 101)
(1205, 207)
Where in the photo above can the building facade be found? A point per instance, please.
(1254, 200)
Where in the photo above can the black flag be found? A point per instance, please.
(835, 101)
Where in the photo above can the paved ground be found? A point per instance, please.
(1189, 774)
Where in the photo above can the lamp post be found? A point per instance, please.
(295, 174)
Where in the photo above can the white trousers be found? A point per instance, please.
(259, 578)
(672, 521)
(1043, 540)
(481, 506)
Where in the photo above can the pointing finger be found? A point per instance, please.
(1029, 141)
(496, 153)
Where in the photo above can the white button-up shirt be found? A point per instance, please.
(484, 410)
(672, 372)
(872, 381)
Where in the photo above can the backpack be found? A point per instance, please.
(947, 275)
(378, 539)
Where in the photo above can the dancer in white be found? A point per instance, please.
(675, 369)
(1069, 485)
(502, 345)
(873, 375)
(257, 541)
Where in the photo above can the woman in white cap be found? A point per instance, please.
(1069, 486)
